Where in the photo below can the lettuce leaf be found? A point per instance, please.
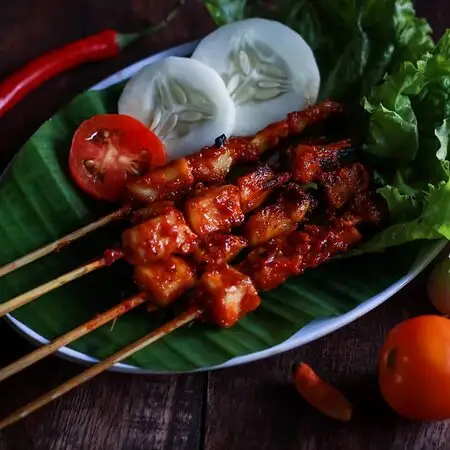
(433, 221)
(409, 137)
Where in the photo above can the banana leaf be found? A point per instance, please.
(39, 203)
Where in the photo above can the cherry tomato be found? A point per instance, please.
(414, 368)
(108, 150)
(439, 287)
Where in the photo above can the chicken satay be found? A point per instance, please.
(256, 186)
(279, 218)
(213, 164)
(165, 280)
(159, 237)
(342, 185)
(271, 265)
(167, 231)
(225, 295)
(308, 162)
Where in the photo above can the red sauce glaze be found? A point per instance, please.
(257, 185)
(218, 248)
(299, 120)
(226, 295)
(93, 323)
(273, 264)
(158, 238)
(368, 208)
(212, 164)
(215, 210)
(340, 186)
(296, 202)
(310, 161)
(61, 245)
(165, 280)
(267, 267)
(267, 223)
(248, 149)
(112, 255)
(307, 163)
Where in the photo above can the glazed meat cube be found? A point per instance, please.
(327, 242)
(214, 210)
(267, 223)
(296, 202)
(165, 280)
(158, 238)
(280, 218)
(340, 186)
(218, 248)
(308, 162)
(168, 182)
(226, 295)
(267, 266)
(211, 165)
(369, 208)
(257, 185)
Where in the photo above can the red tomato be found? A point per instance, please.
(108, 150)
(414, 368)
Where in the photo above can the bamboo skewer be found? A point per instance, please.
(29, 296)
(62, 242)
(73, 335)
(100, 367)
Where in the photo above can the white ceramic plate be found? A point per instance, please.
(310, 332)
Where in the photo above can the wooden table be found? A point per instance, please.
(249, 407)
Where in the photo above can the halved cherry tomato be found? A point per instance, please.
(318, 393)
(108, 150)
(414, 368)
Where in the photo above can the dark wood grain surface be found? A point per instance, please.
(248, 407)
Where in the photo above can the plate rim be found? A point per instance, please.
(310, 332)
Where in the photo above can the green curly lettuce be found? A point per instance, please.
(409, 137)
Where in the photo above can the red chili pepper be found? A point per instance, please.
(100, 46)
(103, 45)
(318, 393)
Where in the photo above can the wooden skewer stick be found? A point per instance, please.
(29, 296)
(62, 242)
(100, 367)
(73, 335)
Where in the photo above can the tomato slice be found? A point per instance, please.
(108, 150)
